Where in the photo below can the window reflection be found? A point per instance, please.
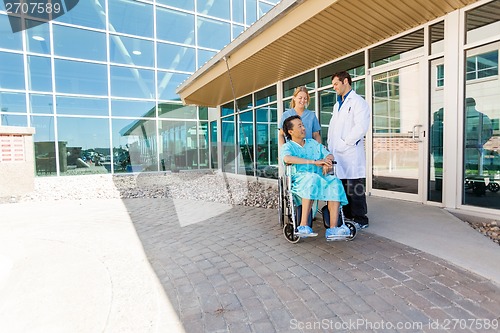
(45, 151)
(79, 43)
(219, 8)
(175, 110)
(13, 120)
(13, 102)
(133, 108)
(41, 104)
(481, 162)
(81, 78)
(251, 11)
(228, 151)
(11, 71)
(134, 146)
(176, 57)
(131, 17)
(204, 56)
(246, 143)
(178, 145)
(90, 14)
(167, 82)
(175, 26)
(132, 82)
(131, 51)
(38, 39)
(238, 11)
(9, 40)
(213, 34)
(83, 145)
(213, 145)
(39, 73)
(184, 4)
(82, 106)
(267, 141)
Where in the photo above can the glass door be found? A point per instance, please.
(398, 132)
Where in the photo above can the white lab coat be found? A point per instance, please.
(346, 136)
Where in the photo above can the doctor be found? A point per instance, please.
(346, 132)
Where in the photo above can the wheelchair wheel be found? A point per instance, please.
(289, 234)
(281, 203)
(493, 187)
(351, 227)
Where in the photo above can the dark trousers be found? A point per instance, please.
(356, 209)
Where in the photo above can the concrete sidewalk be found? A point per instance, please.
(156, 265)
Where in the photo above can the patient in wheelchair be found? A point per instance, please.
(310, 179)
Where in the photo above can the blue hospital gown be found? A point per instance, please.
(308, 180)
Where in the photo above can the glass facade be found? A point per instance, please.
(98, 83)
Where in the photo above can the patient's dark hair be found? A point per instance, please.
(288, 125)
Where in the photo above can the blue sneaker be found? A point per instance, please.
(337, 233)
(305, 231)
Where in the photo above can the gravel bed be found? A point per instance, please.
(203, 186)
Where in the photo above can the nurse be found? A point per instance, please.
(346, 132)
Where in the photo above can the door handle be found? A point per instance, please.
(416, 138)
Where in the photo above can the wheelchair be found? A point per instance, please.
(290, 211)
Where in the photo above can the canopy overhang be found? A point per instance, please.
(298, 35)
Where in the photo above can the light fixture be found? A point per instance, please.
(136, 52)
(39, 38)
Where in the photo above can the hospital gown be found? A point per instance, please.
(308, 180)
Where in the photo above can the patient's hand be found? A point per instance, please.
(326, 169)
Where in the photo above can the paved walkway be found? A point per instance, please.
(156, 265)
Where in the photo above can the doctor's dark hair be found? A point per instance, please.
(288, 125)
(342, 76)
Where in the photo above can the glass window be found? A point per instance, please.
(134, 145)
(176, 57)
(239, 11)
(45, 151)
(74, 77)
(244, 103)
(179, 144)
(9, 40)
(436, 34)
(131, 17)
(354, 65)
(246, 143)
(436, 131)
(227, 109)
(87, 140)
(267, 142)
(404, 47)
(13, 102)
(440, 75)
(13, 120)
(174, 26)
(79, 43)
(228, 141)
(481, 161)
(213, 145)
(237, 30)
(266, 95)
(176, 110)
(41, 104)
(307, 80)
(90, 14)
(131, 51)
(482, 65)
(327, 99)
(264, 8)
(213, 34)
(11, 70)
(204, 56)
(38, 39)
(251, 11)
(132, 82)
(39, 73)
(123, 108)
(219, 8)
(483, 22)
(82, 106)
(203, 144)
(203, 113)
(183, 4)
(167, 82)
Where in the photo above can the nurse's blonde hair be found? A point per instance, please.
(296, 92)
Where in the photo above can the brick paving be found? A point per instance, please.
(236, 272)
